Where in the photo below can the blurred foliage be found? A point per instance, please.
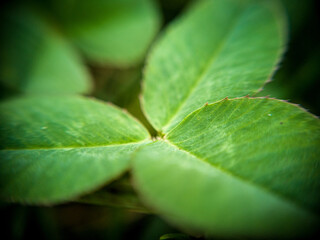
(118, 194)
(43, 41)
(121, 87)
(78, 221)
(35, 57)
(297, 80)
(175, 236)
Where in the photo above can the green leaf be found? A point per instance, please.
(54, 148)
(216, 49)
(37, 55)
(35, 58)
(242, 167)
(175, 236)
(117, 32)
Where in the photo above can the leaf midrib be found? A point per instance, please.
(74, 147)
(203, 73)
(257, 186)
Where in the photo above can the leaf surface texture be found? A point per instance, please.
(216, 49)
(54, 149)
(242, 167)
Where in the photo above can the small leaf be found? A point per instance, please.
(117, 32)
(175, 236)
(35, 57)
(216, 49)
(54, 149)
(242, 167)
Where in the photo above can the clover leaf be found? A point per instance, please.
(224, 163)
(43, 43)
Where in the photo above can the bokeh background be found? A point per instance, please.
(297, 80)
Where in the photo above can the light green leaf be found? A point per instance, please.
(242, 167)
(54, 148)
(117, 32)
(216, 49)
(35, 58)
(175, 236)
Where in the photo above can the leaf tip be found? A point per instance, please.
(269, 80)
